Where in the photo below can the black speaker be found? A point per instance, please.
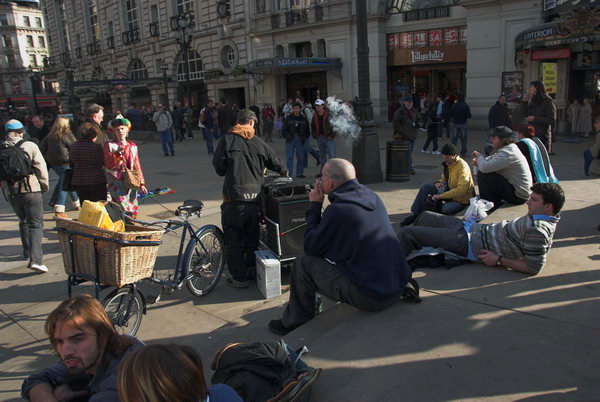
(285, 209)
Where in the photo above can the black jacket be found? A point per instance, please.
(355, 232)
(295, 125)
(544, 113)
(499, 115)
(460, 112)
(242, 158)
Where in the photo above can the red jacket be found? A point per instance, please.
(326, 130)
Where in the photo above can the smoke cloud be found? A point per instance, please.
(342, 119)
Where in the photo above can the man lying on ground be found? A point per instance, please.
(352, 252)
(521, 244)
(90, 350)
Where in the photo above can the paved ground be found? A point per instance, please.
(480, 333)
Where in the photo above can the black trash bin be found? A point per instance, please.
(397, 155)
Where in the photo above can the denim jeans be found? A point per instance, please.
(326, 149)
(295, 146)
(209, 134)
(410, 158)
(461, 131)
(166, 141)
(588, 158)
(30, 210)
(59, 196)
(308, 149)
(448, 208)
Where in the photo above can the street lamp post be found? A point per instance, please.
(69, 71)
(164, 67)
(34, 78)
(365, 152)
(183, 23)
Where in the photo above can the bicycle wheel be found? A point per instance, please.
(205, 260)
(116, 304)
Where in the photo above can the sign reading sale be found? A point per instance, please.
(549, 76)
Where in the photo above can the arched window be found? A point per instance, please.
(194, 66)
(137, 71)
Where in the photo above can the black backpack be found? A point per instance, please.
(265, 371)
(15, 163)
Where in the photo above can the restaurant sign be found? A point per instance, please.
(427, 55)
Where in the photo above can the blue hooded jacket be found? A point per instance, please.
(355, 232)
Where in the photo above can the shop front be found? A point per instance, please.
(426, 63)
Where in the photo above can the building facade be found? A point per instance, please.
(24, 47)
(133, 52)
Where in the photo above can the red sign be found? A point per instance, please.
(550, 54)
(451, 36)
(406, 39)
(435, 37)
(421, 38)
(393, 41)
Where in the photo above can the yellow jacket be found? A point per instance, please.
(460, 182)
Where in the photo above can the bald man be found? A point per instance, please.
(352, 254)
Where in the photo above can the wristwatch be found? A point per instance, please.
(499, 261)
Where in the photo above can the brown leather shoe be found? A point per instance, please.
(61, 215)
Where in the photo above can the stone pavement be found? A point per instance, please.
(480, 333)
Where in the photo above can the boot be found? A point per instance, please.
(61, 215)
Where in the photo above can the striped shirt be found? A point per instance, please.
(527, 238)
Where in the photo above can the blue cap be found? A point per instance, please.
(13, 125)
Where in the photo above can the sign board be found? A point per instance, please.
(549, 76)
(427, 55)
(550, 54)
(512, 86)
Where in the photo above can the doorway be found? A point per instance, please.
(309, 86)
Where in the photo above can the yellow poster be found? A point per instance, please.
(549, 77)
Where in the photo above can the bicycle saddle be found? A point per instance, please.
(191, 206)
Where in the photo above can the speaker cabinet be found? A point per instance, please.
(285, 212)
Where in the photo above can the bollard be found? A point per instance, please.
(397, 155)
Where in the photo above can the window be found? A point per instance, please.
(38, 22)
(6, 41)
(260, 6)
(229, 57)
(41, 41)
(32, 60)
(154, 24)
(3, 20)
(93, 15)
(196, 68)
(184, 5)
(29, 41)
(131, 6)
(154, 13)
(137, 70)
(26, 21)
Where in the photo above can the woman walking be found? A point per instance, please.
(584, 120)
(87, 161)
(120, 156)
(268, 114)
(55, 148)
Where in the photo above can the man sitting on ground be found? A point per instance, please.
(453, 190)
(521, 244)
(504, 175)
(352, 253)
(90, 350)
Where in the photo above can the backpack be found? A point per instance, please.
(15, 163)
(265, 371)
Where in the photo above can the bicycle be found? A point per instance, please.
(199, 266)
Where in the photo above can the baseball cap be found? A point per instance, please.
(246, 114)
(319, 102)
(13, 125)
(503, 132)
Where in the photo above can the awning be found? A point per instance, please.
(558, 34)
(282, 65)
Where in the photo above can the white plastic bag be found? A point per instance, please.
(477, 209)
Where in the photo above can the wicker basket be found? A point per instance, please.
(119, 264)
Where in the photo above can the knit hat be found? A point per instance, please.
(119, 121)
(13, 125)
(246, 114)
(503, 132)
(449, 149)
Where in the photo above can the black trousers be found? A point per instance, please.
(314, 274)
(494, 187)
(94, 192)
(241, 229)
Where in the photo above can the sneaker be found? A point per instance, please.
(61, 215)
(38, 267)
(412, 171)
(172, 153)
(277, 327)
(436, 153)
(301, 176)
(237, 284)
(166, 154)
(423, 151)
